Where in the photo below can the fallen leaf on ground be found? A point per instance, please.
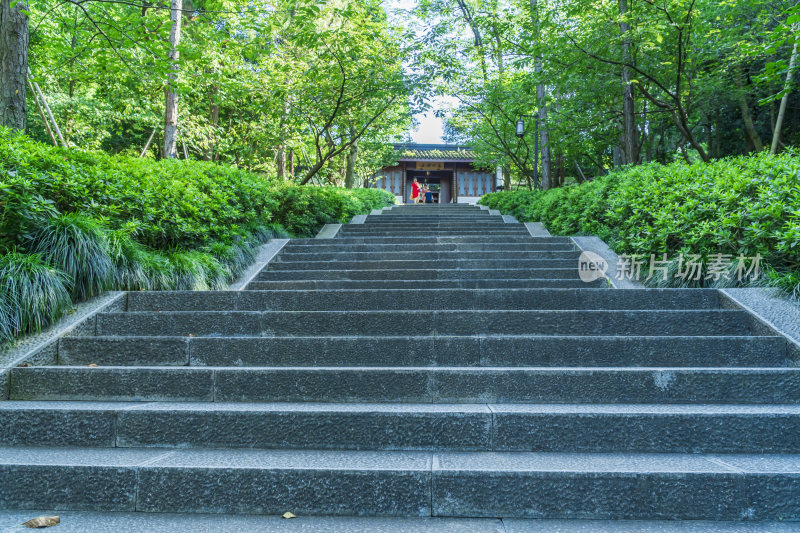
(287, 515)
(42, 521)
(92, 365)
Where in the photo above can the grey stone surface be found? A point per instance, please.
(510, 219)
(41, 348)
(121, 522)
(266, 253)
(358, 219)
(498, 265)
(774, 310)
(465, 322)
(293, 426)
(326, 483)
(537, 229)
(180, 323)
(328, 231)
(651, 428)
(123, 351)
(422, 274)
(516, 525)
(111, 383)
(336, 351)
(432, 284)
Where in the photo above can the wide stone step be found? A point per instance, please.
(518, 350)
(435, 427)
(334, 246)
(291, 256)
(456, 484)
(425, 322)
(409, 384)
(616, 486)
(482, 238)
(421, 275)
(422, 264)
(422, 298)
(410, 234)
(430, 284)
(217, 481)
(130, 522)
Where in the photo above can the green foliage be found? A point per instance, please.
(38, 291)
(77, 246)
(88, 221)
(741, 205)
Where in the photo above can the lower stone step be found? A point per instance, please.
(498, 265)
(424, 322)
(132, 522)
(121, 522)
(423, 298)
(467, 484)
(409, 384)
(433, 427)
(429, 284)
(422, 275)
(506, 350)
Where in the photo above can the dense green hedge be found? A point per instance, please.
(73, 224)
(744, 205)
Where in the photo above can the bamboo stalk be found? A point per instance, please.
(147, 144)
(41, 114)
(49, 112)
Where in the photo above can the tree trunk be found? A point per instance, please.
(540, 100)
(13, 64)
(171, 111)
(630, 133)
(776, 136)
(747, 118)
(352, 156)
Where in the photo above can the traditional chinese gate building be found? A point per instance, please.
(447, 167)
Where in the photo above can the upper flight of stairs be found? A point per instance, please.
(433, 361)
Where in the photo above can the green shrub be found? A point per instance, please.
(744, 205)
(91, 221)
(76, 245)
(38, 290)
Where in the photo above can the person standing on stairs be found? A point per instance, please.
(415, 191)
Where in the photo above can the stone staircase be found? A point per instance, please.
(433, 361)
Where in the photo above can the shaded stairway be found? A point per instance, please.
(434, 361)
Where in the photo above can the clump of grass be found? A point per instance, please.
(37, 292)
(77, 245)
(8, 322)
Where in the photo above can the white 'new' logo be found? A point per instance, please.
(591, 266)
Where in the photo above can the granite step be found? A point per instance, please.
(289, 256)
(586, 428)
(425, 322)
(334, 245)
(421, 275)
(424, 298)
(312, 284)
(133, 522)
(678, 385)
(511, 351)
(424, 238)
(498, 265)
(450, 484)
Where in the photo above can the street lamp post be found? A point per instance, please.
(521, 133)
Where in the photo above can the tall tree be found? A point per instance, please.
(630, 134)
(171, 91)
(13, 63)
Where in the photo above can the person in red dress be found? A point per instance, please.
(415, 191)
